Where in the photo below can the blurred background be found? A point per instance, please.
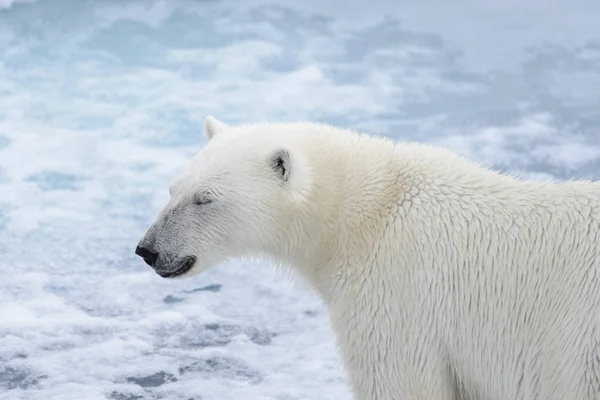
(102, 102)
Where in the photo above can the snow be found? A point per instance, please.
(102, 104)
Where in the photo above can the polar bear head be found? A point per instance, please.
(246, 193)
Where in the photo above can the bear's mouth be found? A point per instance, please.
(183, 267)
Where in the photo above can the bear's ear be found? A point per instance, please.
(292, 169)
(281, 164)
(213, 126)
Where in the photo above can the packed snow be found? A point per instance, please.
(102, 103)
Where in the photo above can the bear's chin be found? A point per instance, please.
(186, 265)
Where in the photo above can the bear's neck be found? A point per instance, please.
(352, 198)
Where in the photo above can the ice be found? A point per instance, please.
(101, 105)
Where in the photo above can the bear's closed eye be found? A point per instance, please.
(201, 201)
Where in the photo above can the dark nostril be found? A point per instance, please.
(149, 262)
(148, 256)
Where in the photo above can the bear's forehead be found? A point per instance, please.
(229, 155)
(233, 151)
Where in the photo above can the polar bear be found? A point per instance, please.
(443, 279)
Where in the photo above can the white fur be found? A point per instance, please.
(444, 280)
(213, 126)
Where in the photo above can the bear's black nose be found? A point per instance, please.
(148, 256)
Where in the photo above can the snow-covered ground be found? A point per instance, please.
(101, 103)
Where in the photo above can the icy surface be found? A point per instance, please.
(101, 104)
